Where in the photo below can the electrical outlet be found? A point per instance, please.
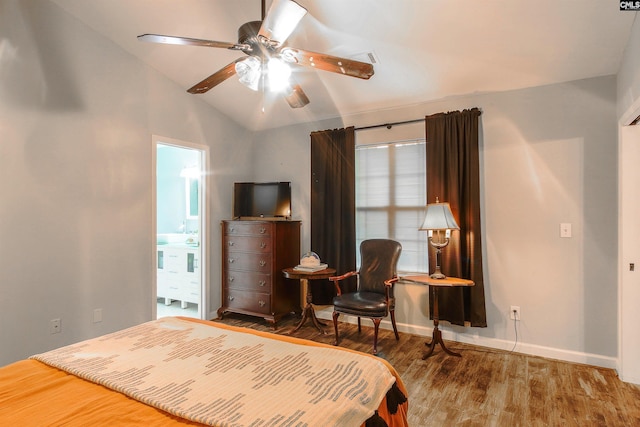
(514, 312)
(55, 326)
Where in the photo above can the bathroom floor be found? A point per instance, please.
(175, 309)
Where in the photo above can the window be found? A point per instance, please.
(391, 198)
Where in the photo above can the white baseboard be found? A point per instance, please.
(470, 338)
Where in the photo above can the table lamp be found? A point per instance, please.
(439, 219)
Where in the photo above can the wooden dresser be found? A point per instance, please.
(254, 253)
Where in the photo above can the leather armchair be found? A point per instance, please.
(373, 298)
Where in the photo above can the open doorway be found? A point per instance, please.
(180, 229)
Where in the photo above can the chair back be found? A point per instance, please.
(378, 262)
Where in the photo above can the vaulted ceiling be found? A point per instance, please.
(423, 49)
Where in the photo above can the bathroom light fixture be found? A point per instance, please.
(192, 172)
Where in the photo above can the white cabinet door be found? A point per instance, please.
(179, 274)
(191, 277)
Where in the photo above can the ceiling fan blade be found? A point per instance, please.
(159, 38)
(297, 98)
(216, 78)
(334, 64)
(283, 17)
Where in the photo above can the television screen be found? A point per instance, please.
(262, 199)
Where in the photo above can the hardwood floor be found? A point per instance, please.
(485, 387)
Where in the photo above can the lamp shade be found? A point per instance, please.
(439, 217)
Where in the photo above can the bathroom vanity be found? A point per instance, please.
(179, 276)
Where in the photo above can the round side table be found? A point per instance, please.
(434, 285)
(304, 277)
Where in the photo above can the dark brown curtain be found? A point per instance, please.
(333, 206)
(453, 176)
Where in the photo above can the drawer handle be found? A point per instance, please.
(230, 243)
(231, 278)
(231, 229)
(263, 230)
(262, 303)
(263, 245)
(230, 298)
(262, 282)
(231, 260)
(263, 263)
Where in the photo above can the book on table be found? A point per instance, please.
(310, 268)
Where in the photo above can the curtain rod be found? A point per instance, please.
(389, 125)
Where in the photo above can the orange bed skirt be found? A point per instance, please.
(35, 394)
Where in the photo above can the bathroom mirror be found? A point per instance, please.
(191, 191)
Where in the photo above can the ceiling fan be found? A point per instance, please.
(268, 58)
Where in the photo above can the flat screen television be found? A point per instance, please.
(262, 200)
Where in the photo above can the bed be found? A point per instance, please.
(179, 371)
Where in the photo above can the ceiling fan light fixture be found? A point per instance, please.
(283, 17)
(278, 74)
(249, 71)
(261, 41)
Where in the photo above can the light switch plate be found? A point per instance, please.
(565, 229)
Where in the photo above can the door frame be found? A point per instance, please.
(203, 307)
(628, 246)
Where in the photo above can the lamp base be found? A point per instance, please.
(437, 274)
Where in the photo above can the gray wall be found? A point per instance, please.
(77, 115)
(548, 156)
(629, 74)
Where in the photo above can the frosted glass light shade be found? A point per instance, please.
(249, 71)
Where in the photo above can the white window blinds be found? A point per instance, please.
(391, 198)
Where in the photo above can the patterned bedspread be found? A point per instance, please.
(222, 377)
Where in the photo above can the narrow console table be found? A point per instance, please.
(434, 285)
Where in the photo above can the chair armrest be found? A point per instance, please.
(388, 284)
(391, 282)
(344, 276)
(336, 280)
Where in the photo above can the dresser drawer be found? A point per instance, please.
(247, 228)
(248, 262)
(246, 300)
(249, 243)
(248, 280)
